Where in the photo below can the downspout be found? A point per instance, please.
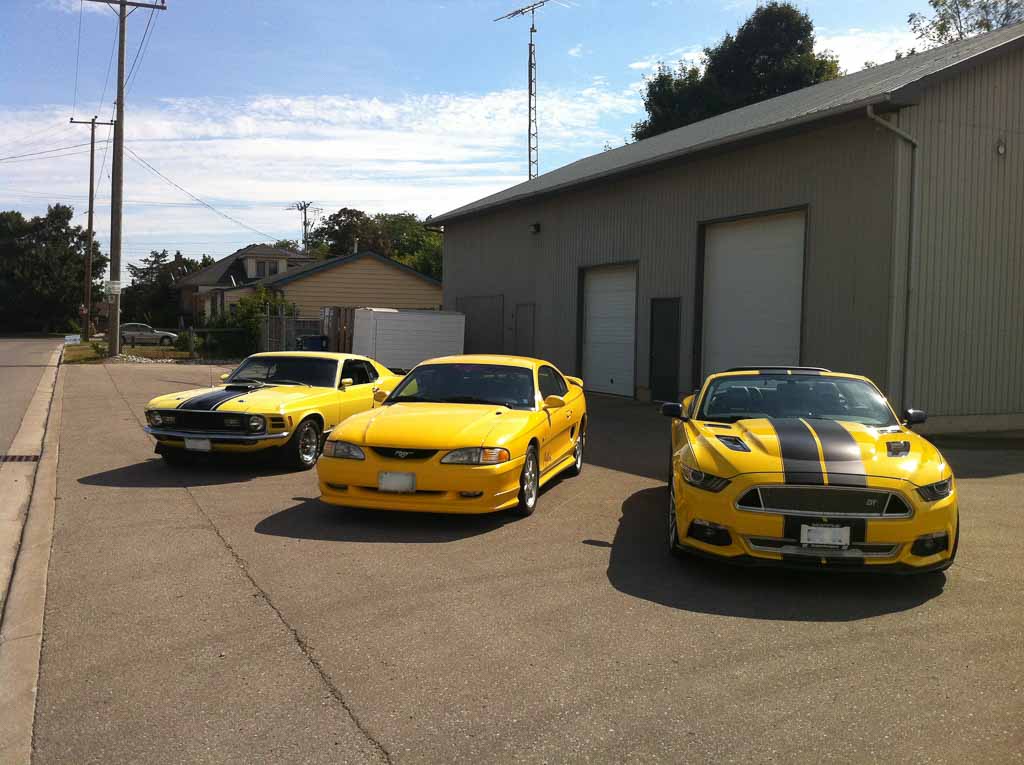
(911, 242)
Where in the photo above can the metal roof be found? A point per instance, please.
(897, 83)
(214, 273)
(321, 265)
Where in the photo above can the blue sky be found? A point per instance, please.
(386, 105)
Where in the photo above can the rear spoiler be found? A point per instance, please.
(578, 382)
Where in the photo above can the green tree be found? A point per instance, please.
(402, 236)
(952, 20)
(772, 53)
(288, 244)
(346, 231)
(152, 296)
(42, 270)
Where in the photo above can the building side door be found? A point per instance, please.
(665, 342)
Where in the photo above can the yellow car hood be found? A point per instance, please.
(842, 452)
(434, 426)
(272, 398)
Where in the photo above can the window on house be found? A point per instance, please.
(261, 268)
(272, 267)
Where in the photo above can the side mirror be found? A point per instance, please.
(914, 416)
(224, 377)
(380, 396)
(688, 402)
(345, 382)
(554, 402)
(674, 410)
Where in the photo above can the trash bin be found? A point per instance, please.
(313, 343)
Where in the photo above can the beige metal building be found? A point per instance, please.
(872, 224)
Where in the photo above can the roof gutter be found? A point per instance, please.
(911, 254)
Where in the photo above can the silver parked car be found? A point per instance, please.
(143, 334)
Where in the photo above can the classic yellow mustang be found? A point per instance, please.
(802, 466)
(285, 401)
(461, 434)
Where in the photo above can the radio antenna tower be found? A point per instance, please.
(532, 140)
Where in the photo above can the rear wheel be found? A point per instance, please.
(577, 452)
(303, 448)
(529, 484)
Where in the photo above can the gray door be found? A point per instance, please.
(665, 349)
(524, 329)
(484, 323)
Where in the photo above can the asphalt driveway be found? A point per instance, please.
(222, 614)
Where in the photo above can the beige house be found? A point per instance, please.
(364, 279)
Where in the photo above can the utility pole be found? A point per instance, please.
(533, 141)
(303, 207)
(117, 170)
(92, 194)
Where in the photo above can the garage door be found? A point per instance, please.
(609, 329)
(753, 292)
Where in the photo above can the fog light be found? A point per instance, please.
(470, 494)
(156, 419)
(256, 423)
(709, 533)
(338, 486)
(930, 544)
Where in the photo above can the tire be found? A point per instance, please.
(303, 447)
(577, 452)
(529, 484)
(674, 548)
(165, 341)
(124, 342)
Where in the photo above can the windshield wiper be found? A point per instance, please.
(472, 400)
(412, 399)
(234, 380)
(290, 382)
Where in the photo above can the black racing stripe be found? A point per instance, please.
(800, 460)
(207, 402)
(844, 463)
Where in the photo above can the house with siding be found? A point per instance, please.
(870, 224)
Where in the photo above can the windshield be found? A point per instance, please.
(468, 384)
(287, 370)
(729, 399)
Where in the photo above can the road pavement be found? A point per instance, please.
(22, 362)
(222, 614)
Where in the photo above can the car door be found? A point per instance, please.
(129, 332)
(146, 335)
(560, 421)
(357, 397)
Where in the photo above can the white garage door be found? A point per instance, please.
(753, 292)
(609, 329)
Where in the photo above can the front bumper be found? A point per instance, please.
(725, 531)
(219, 441)
(455, 489)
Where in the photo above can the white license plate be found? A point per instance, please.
(829, 536)
(400, 483)
(197, 444)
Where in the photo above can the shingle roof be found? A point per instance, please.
(215, 273)
(896, 83)
(321, 265)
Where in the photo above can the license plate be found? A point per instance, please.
(399, 483)
(825, 536)
(197, 444)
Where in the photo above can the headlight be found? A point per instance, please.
(155, 418)
(476, 456)
(257, 423)
(933, 492)
(703, 480)
(343, 450)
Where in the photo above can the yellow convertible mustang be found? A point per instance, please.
(284, 401)
(462, 434)
(802, 466)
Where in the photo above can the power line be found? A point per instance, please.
(46, 151)
(106, 79)
(139, 51)
(78, 54)
(188, 193)
(74, 153)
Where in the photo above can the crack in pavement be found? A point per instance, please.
(299, 640)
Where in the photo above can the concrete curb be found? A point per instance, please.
(21, 630)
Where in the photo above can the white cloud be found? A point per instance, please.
(689, 56)
(576, 51)
(855, 46)
(425, 154)
(74, 6)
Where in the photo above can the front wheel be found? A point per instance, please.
(674, 548)
(165, 341)
(303, 448)
(529, 484)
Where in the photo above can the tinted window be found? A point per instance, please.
(468, 384)
(550, 383)
(357, 371)
(729, 399)
(287, 370)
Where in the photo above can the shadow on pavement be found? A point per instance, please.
(208, 471)
(312, 519)
(627, 436)
(641, 566)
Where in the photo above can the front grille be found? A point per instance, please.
(203, 421)
(404, 454)
(825, 501)
(793, 547)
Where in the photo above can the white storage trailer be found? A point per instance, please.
(401, 339)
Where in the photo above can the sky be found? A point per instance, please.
(381, 105)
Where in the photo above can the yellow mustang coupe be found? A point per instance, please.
(461, 434)
(802, 466)
(284, 401)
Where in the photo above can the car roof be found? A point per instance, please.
(799, 371)
(484, 358)
(313, 355)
